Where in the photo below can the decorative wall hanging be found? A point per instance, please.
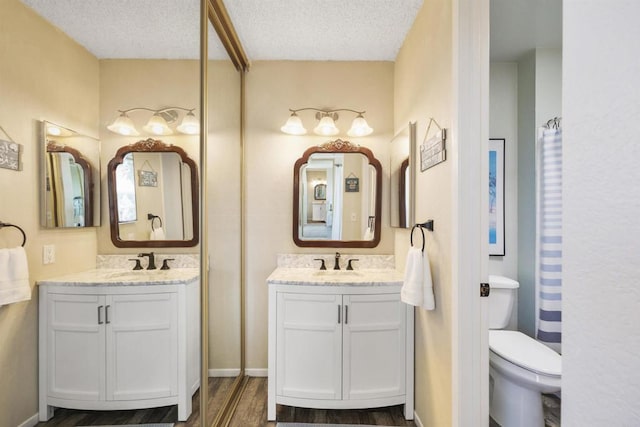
(432, 150)
(10, 153)
(352, 184)
(147, 177)
(496, 197)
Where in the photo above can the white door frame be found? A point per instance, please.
(470, 378)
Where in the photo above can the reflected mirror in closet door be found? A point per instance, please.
(224, 216)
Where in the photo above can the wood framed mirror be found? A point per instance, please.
(153, 196)
(70, 180)
(349, 214)
(402, 177)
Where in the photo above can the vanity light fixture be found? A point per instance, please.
(55, 130)
(158, 123)
(326, 123)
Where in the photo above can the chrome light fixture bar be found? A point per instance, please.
(159, 122)
(326, 123)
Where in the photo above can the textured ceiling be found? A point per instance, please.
(129, 29)
(323, 29)
(269, 29)
(285, 29)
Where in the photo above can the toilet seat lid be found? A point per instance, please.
(525, 352)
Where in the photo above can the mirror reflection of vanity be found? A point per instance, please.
(70, 189)
(402, 177)
(337, 197)
(153, 189)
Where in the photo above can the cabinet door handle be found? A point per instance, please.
(346, 314)
(100, 322)
(106, 311)
(339, 312)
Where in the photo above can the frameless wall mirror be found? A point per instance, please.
(153, 196)
(402, 177)
(70, 187)
(337, 197)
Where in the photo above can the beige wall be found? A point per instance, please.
(43, 75)
(152, 84)
(272, 88)
(423, 89)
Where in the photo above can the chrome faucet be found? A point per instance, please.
(336, 266)
(152, 260)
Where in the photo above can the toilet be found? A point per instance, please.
(520, 367)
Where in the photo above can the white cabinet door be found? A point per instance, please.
(142, 354)
(374, 346)
(75, 346)
(309, 346)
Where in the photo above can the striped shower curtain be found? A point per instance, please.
(549, 237)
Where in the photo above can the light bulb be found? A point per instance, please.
(359, 127)
(123, 125)
(157, 125)
(190, 124)
(293, 126)
(326, 127)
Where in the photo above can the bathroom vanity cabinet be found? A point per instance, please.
(114, 346)
(339, 346)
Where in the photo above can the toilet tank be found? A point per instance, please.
(502, 298)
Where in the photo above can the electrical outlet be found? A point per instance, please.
(48, 254)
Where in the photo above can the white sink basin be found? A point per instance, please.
(337, 273)
(302, 276)
(126, 277)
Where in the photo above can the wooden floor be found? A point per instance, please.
(251, 412)
(218, 388)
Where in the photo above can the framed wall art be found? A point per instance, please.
(351, 184)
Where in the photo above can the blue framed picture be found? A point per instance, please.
(496, 197)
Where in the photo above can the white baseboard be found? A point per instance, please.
(30, 422)
(417, 420)
(256, 372)
(224, 372)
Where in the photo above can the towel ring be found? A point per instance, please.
(152, 217)
(24, 236)
(428, 225)
(421, 231)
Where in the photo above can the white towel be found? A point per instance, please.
(429, 302)
(417, 288)
(157, 234)
(411, 292)
(368, 234)
(14, 276)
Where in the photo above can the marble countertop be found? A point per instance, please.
(309, 276)
(122, 277)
